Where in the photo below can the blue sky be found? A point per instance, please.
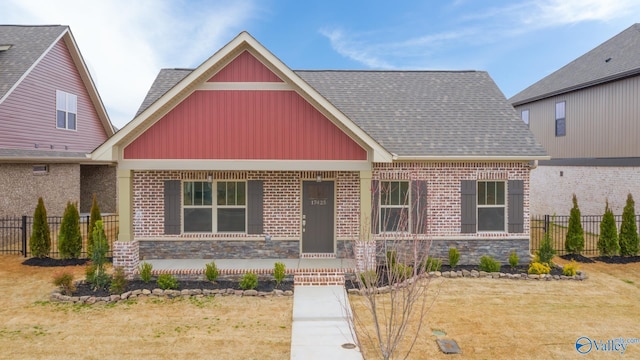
(126, 42)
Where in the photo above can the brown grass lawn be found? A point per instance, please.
(516, 319)
(220, 328)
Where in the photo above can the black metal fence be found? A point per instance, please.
(557, 226)
(15, 233)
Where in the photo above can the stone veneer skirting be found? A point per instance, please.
(219, 249)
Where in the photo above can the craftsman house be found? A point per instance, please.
(586, 115)
(244, 158)
(51, 118)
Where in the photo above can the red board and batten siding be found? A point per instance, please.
(244, 124)
(245, 68)
(28, 115)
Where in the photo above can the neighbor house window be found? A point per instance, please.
(491, 206)
(560, 119)
(66, 110)
(394, 206)
(525, 116)
(227, 214)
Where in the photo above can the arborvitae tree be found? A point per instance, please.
(629, 229)
(608, 242)
(40, 242)
(93, 217)
(574, 241)
(70, 238)
(546, 251)
(99, 277)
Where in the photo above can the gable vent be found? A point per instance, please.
(40, 169)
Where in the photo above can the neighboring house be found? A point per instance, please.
(51, 118)
(586, 115)
(244, 158)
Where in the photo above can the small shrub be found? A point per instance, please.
(539, 268)
(432, 264)
(608, 244)
(94, 216)
(546, 251)
(167, 281)
(488, 264)
(574, 240)
(570, 269)
(210, 272)
(40, 242)
(369, 278)
(145, 272)
(65, 281)
(99, 277)
(401, 272)
(278, 272)
(513, 259)
(249, 281)
(118, 281)
(70, 239)
(629, 230)
(392, 258)
(454, 257)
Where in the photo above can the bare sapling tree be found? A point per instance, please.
(393, 304)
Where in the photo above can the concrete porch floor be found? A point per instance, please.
(258, 266)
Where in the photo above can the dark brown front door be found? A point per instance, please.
(317, 217)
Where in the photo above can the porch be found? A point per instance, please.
(305, 271)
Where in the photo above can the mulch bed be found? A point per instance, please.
(50, 262)
(84, 289)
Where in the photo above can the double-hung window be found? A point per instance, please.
(394, 206)
(491, 206)
(561, 126)
(228, 214)
(66, 110)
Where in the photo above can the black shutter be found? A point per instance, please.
(468, 202)
(375, 206)
(516, 206)
(419, 207)
(172, 207)
(255, 207)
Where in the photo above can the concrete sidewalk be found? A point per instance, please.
(320, 326)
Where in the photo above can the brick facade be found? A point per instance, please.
(553, 186)
(282, 204)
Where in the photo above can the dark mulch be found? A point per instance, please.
(50, 262)
(84, 289)
(578, 258)
(618, 259)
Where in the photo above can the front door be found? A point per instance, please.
(317, 217)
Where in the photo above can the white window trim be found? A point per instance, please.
(406, 206)
(67, 97)
(504, 206)
(214, 207)
(522, 116)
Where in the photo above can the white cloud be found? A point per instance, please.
(490, 26)
(125, 43)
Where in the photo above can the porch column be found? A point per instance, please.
(126, 253)
(365, 247)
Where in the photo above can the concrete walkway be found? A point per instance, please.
(320, 326)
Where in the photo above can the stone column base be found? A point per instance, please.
(127, 255)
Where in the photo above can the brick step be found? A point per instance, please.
(314, 278)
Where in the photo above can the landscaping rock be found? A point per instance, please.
(250, 293)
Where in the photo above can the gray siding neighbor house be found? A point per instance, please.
(586, 115)
(51, 118)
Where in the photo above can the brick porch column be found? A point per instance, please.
(126, 251)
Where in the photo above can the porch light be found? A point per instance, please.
(209, 178)
(319, 178)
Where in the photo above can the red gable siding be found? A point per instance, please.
(28, 115)
(244, 125)
(245, 68)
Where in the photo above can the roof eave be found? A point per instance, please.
(585, 85)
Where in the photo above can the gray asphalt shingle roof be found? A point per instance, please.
(616, 58)
(28, 43)
(415, 113)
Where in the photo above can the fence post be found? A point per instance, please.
(24, 235)
(546, 223)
